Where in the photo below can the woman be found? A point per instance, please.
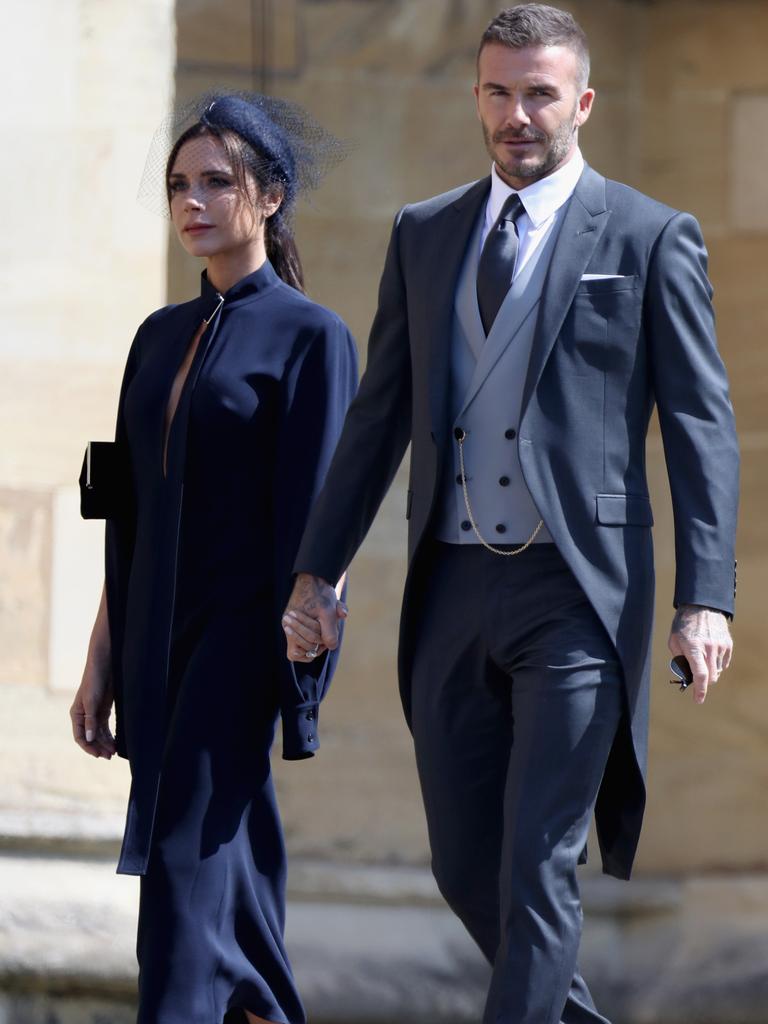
(229, 413)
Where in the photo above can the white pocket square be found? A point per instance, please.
(602, 277)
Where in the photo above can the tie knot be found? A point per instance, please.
(512, 208)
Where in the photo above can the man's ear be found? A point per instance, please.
(585, 106)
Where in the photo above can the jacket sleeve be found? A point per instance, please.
(375, 436)
(695, 414)
(319, 386)
(119, 543)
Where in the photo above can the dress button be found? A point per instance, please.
(504, 481)
(466, 525)
(510, 434)
(459, 433)
(310, 716)
(459, 479)
(501, 528)
(310, 737)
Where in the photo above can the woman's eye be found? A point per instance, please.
(177, 186)
(219, 182)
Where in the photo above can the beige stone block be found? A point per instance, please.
(343, 259)
(77, 576)
(423, 140)
(684, 158)
(608, 140)
(428, 36)
(43, 770)
(748, 117)
(222, 35)
(741, 304)
(613, 28)
(25, 545)
(49, 411)
(690, 45)
(707, 763)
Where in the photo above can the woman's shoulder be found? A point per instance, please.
(308, 312)
(167, 315)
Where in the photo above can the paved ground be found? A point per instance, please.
(374, 944)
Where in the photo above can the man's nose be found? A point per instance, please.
(517, 115)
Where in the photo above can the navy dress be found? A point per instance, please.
(198, 572)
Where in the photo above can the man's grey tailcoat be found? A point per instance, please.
(603, 352)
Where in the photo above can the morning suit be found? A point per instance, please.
(623, 322)
(198, 569)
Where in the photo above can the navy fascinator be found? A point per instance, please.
(287, 146)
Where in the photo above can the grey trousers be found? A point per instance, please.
(517, 694)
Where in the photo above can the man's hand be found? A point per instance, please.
(703, 637)
(311, 618)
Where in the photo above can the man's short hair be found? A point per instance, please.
(539, 25)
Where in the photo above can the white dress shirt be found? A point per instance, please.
(544, 203)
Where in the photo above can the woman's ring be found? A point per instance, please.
(313, 653)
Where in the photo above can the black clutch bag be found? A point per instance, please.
(105, 481)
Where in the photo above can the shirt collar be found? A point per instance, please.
(543, 197)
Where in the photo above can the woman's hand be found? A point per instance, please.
(91, 709)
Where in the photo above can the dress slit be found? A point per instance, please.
(177, 389)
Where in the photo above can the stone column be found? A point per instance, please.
(85, 86)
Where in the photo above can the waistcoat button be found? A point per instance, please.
(466, 525)
(459, 433)
(459, 479)
(501, 528)
(510, 434)
(504, 481)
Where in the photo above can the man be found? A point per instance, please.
(526, 325)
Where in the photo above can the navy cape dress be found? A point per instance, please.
(198, 572)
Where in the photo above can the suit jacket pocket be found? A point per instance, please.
(408, 503)
(624, 510)
(607, 285)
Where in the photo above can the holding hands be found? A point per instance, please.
(312, 616)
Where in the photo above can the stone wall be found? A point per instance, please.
(681, 110)
(82, 264)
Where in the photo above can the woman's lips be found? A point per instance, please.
(197, 229)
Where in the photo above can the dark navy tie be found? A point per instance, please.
(497, 261)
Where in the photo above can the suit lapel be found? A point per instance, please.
(442, 257)
(585, 220)
(465, 305)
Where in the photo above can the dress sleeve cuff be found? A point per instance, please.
(300, 739)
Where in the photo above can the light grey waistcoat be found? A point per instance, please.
(487, 378)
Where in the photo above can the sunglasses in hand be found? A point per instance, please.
(682, 672)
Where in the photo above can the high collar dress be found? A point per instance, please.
(198, 571)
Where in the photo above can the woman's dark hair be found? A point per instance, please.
(539, 25)
(252, 165)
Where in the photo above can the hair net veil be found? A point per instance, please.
(292, 150)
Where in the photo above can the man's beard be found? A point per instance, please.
(555, 152)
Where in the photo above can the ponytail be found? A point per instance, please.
(282, 252)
